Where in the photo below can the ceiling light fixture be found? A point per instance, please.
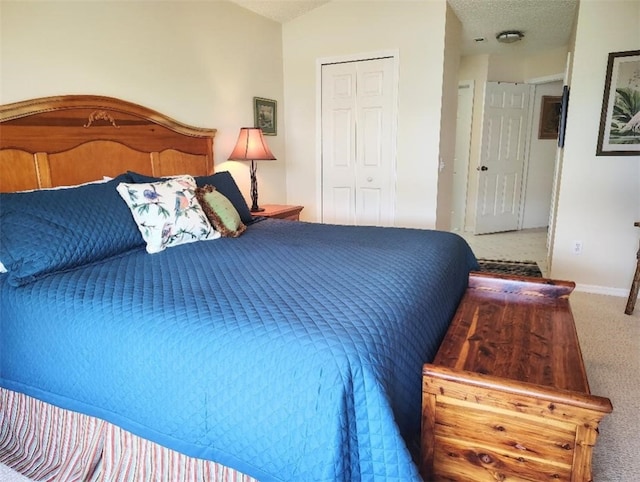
(509, 36)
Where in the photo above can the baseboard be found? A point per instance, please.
(603, 290)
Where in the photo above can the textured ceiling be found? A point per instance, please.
(546, 24)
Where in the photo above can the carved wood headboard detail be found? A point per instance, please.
(66, 140)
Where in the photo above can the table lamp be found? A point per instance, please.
(252, 146)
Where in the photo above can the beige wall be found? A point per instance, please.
(199, 62)
(599, 196)
(453, 35)
(546, 64)
(340, 28)
(518, 67)
(506, 68)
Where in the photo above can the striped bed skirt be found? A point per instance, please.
(47, 443)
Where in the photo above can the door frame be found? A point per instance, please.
(468, 134)
(527, 154)
(559, 159)
(392, 53)
(536, 82)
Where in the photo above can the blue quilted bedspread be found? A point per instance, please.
(291, 353)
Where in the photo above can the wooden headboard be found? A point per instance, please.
(67, 140)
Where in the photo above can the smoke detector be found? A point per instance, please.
(509, 36)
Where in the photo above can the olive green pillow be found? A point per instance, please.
(220, 211)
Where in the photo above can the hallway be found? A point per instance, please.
(523, 245)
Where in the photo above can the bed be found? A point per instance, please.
(292, 351)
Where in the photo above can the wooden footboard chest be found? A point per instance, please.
(507, 396)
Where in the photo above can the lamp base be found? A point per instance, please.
(254, 190)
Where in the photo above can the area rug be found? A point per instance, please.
(517, 268)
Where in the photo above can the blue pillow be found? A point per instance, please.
(224, 183)
(45, 231)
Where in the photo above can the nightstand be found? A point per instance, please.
(280, 211)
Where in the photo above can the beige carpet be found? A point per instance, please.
(610, 342)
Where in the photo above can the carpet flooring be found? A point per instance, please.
(516, 268)
(610, 343)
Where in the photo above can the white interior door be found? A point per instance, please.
(358, 157)
(464, 118)
(504, 136)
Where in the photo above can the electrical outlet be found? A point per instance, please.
(577, 247)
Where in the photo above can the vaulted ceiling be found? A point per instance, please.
(546, 24)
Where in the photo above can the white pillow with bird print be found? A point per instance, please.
(167, 212)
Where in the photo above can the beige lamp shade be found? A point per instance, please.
(251, 146)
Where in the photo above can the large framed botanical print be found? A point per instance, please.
(620, 117)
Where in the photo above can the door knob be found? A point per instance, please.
(482, 168)
(369, 179)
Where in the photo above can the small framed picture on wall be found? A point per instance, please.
(265, 115)
(550, 117)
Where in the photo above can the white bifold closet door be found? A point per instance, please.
(358, 152)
